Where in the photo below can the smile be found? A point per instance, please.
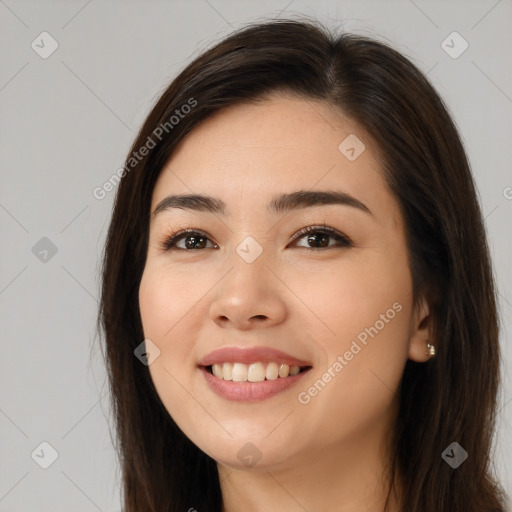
(255, 372)
(247, 391)
(251, 374)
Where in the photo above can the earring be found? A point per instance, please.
(431, 350)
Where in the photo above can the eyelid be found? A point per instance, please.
(316, 228)
(169, 241)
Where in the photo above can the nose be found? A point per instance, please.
(248, 297)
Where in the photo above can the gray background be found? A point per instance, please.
(67, 123)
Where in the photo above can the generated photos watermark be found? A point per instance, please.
(342, 360)
(158, 133)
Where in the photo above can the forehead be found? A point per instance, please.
(278, 145)
(281, 126)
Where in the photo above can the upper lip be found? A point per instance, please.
(250, 355)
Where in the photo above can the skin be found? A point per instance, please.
(311, 304)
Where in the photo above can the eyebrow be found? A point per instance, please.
(279, 204)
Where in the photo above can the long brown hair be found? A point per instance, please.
(453, 397)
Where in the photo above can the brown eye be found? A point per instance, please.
(319, 237)
(193, 240)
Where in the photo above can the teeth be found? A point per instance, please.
(284, 370)
(272, 371)
(255, 372)
(294, 370)
(227, 371)
(239, 372)
(217, 371)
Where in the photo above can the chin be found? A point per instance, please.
(255, 455)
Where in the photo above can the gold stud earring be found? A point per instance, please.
(431, 350)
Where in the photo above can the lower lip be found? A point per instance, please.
(249, 391)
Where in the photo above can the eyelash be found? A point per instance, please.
(169, 242)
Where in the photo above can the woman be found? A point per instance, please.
(298, 304)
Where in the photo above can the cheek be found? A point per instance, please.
(366, 299)
(367, 307)
(359, 292)
(167, 308)
(159, 301)
(165, 298)
(164, 303)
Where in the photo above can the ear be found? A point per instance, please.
(421, 324)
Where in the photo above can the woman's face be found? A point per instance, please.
(338, 305)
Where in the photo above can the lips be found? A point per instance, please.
(238, 391)
(249, 356)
